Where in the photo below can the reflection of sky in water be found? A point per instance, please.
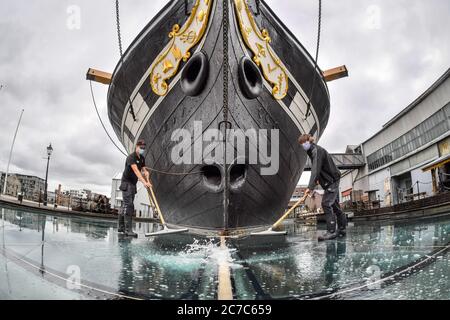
(306, 266)
(143, 268)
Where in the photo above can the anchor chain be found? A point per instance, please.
(319, 30)
(225, 111)
(119, 34)
(225, 60)
(119, 37)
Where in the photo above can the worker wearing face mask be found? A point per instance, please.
(325, 173)
(135, 171)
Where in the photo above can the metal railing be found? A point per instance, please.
(344, 161)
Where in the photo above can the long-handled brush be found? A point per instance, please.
(270, 231)
(165, 231)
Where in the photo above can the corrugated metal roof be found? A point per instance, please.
(422, 97)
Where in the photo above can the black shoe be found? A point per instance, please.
(131, 234)
(328, 236)
(129, 227)
(342, 233)
(121, 227)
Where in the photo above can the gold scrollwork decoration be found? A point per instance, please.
(183, 39)
(258, 41)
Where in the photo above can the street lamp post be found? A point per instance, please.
(49, 153)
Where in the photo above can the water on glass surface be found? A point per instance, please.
(50, 257)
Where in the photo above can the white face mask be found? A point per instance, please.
(306, 146)
(141, 152)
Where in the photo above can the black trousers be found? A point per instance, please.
(332, 208)
(128, 194)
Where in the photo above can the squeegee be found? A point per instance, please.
(270, 231)
(166, 230)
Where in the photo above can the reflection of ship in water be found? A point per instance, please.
(167, 83)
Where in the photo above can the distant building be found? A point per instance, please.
(64, 199)
(312, 204)
(116, 194)
(82, 194)
(51, 197)
(28, 186)
(141, 201)
(13, 187)
(298, 193)
(409, 157)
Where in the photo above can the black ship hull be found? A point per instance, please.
(221, 197)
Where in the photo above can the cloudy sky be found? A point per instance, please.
(394, 50)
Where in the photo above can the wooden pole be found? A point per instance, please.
(225, 290)
(152, 196)
(299, 202)
(433, 177)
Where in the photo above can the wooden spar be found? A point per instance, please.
(335, 73)
(225, 288)
(99, 76)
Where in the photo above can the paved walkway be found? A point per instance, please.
(26, 204)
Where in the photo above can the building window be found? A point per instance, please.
(427, 131)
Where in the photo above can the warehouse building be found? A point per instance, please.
(29, 186)
(409, 158)
(141, 201)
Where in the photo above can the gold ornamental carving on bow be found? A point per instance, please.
(258, 41)
(183, 39)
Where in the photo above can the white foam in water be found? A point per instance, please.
(199, 248)
(222, 256)
(183, 261)
(211, 252)
(192, 256)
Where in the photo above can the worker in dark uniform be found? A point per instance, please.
(325, 173)
(135, 171)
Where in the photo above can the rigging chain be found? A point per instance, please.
(319, 30)
(225, 60)
(119, 37)
(121, 151)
